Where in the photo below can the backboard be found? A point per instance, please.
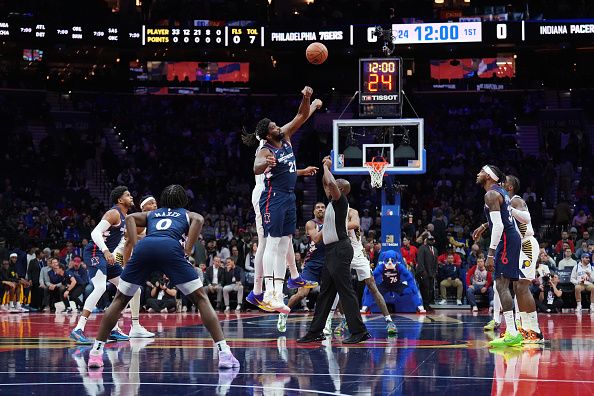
(399, 141)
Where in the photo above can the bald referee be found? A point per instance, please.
(336, 275)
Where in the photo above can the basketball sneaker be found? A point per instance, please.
(227, 360)
(139, 331)
(533, 337)
(342, 328)
(118, 335)
(507, 341)
(328, 328)
(300, 282)
(391, 328)
(258, 301)
(95, 360)
(80, 337)
(281, 324)
(276, 302)
(491, 326)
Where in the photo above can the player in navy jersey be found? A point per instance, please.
(312, 264)
(276, 161)
(171, 234)
(504, 248)
(99, 258)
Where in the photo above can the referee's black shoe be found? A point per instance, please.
(357, 338)
(311, 337)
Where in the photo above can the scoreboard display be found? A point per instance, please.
(380, 81)
(209, 36)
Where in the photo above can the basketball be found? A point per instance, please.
(316, 53)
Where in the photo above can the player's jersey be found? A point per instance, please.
(260, 178)
(509, 224)
(120, 249)
(526, 230)
(390, 278)
(316, 250)
(114, 234)
(168, 223)
(355, 237)
(283, 176)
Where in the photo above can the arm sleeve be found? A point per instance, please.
(523, 216)
(497, 229)
(97, 234)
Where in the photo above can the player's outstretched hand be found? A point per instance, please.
(307, 91)
(318, 103)
(271, 160)
(476, 234)
(327, 162)
(490, 264)
(311, 170)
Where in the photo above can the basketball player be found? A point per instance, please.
(528, 257)
(312, 265)
(171, 234)
(276, 161)
(362, 267)
(256, 296)
(99, 258)
(504, 248)
(122, 255)
(336, 276)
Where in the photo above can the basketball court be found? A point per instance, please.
(437, 353)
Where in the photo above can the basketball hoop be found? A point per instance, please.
(377, 167)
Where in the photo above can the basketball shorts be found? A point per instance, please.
(95, 261)
(279, 214)
(118, 253)
(312, 270)
(256, 194)
(159, 254)
(528, 258)
(507, 257)
(361, 266)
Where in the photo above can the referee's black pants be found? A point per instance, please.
(336, 278)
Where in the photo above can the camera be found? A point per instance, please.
(546, 279)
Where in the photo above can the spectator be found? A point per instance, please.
(67, 254)
(250, 266)
(449, 275)
(564, 239)
(162, 297)
(60, 287)
(44, 281)
(582, 278)
(201, 271)
(33, 272)
(585, 238)
(545, 259)
(580, 219)
(583, 248)
(233, 282)
(442, 259)
(366, 221)
(479, 281)
(10, 283)
(550, 298)
(409, 253)
(81, 275)
(427, 269)
(213, 280)
(475, 253)
(222, 249)
(567, 261)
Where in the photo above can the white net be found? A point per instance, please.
(376, 171)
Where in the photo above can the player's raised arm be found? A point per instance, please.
(330, 185)
(263, 160)
(309, 171)
(305, 110)
(354, 221)
(196, 222)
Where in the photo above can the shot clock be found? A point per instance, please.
(380, 80)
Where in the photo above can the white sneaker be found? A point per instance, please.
(140, 332)
(363, 309)
(238, 308)
(184, 309)
(4, 308)
(459, 302)
(328, 328)
(442, 302)
(228, 309)
(276, 302)
(475, 309)
(421, 309)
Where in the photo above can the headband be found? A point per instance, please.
(146, 200)
(490, 172)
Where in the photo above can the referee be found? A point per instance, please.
(336, 275)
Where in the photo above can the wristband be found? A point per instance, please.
(488, 255)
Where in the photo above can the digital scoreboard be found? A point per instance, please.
(380, 81)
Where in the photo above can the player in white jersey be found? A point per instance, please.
(147, 204)
(256, 296)
(362, 267)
